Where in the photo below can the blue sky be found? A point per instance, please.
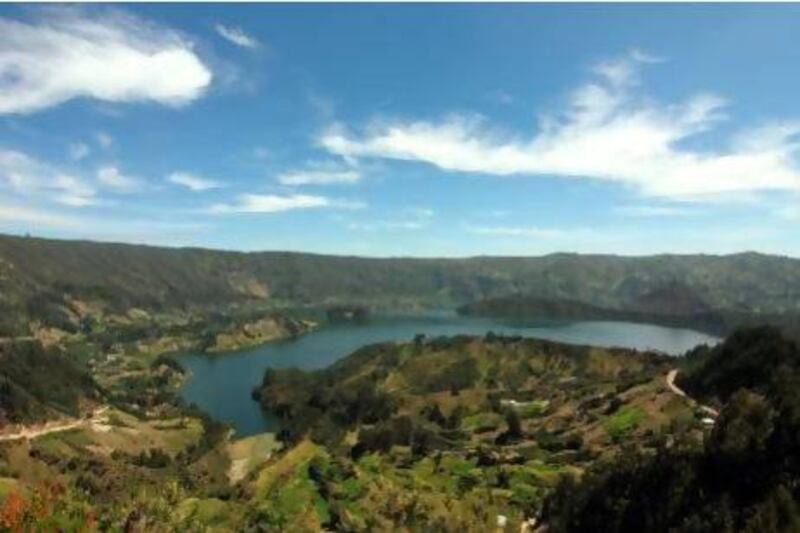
(413, 130)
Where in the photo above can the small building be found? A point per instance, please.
(502, 521)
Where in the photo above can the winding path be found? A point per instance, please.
(34, 431)
(680, 392)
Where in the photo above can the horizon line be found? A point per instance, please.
(620, 255)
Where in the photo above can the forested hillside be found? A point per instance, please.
(677, 312)
(60, 282)
(445, 434)
(38, 382)
(746, 475)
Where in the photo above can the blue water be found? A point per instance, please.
(221, 384)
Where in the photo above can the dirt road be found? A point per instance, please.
(39, 430)
(680, 392)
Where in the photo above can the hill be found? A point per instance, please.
(447, 433)
(38, 383)
(745, 476)
(535, 308)
(439, 434)
(681, 311)
(60, 283)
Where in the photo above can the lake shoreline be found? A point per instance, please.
(221, 384)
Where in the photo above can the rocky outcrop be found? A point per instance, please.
(267, 329)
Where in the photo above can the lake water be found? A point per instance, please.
(221, 384)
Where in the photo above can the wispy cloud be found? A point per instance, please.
(236, 36)
(73, 191)
(320, 173)
(501, 97)
(37, 217)
(516, 231)
(789, 212)
(262, 153)
(26, 176)
(104, 140)
(192, 182)
(322, 105)
(114, 56)
(78, 151)
(411, 218)
(273, 203)
(645, 211)
(112, 178)
(494, 213)
(422, 213)
(609, 131)
(18, 218)
(23, 175)
(390, 225)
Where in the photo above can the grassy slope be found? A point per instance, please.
(745, 475)
(578, 405)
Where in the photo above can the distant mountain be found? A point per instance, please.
(535, 308)
(59, 282)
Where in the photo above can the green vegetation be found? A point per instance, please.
(744, 477)
(446, 433)
(38, 383)
(68, 285)
(623, 421)
(756, 359)
(677, 310)
(442, 434)
(439, 434)
(674, 304)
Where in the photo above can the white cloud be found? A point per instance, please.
(322, 105)
(515, 231)
(494, 213)
(420, 212)
(411, 218)
(789, 212)
(116, 57)
(37, 217)
(644, 211)
(262, 153)
(272, 203)
(104, 139)
(17, 218)
(111, 177)
(502, 97)
(78, 151)
(236, 35)
(392, 225)
(320, 174)
(353, 205)
(74, 192)
(192, 182)
(607, 133)
(23, 175)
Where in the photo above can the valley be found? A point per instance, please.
(396, 267)
(245, 416)
(137, 449)
(221, 386)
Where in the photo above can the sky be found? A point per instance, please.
(404, 130)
